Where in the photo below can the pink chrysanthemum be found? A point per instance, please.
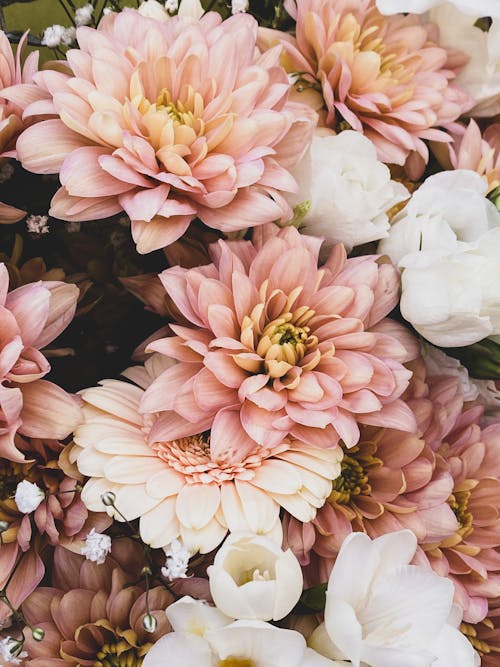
(384, 76)
(167, 121)
(31, 316)
(278, 347)
(11, 122)
(178, 486)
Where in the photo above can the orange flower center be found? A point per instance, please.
(236, 662)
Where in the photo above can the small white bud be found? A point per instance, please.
(239, 6)
(108, 498)
(149, 623)
(83, 15)
(11, 651)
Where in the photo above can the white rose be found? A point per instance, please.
(475, 8)
(349, 191)
(447, 243)
(252, 578)
(383, 612)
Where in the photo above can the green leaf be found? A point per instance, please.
(482, 359)
(312, 600)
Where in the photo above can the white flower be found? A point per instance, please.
(349, 190)
(154, 10)
(83, 15)
(37, 224)
(481, 75)
(439, 363)
(252, 578)
(28, 496)
(53, 35)
(238, 6)
(475, 8)
(177, 560)
(172, 6)
(383, 612)
(97, 547)
(69, 36)
(447, 241)
(203, 637)
(9, 651)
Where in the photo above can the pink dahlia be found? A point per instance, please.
(93, 614)
(11, 122)
(179, 486)
(389, 481)
(384, 76)
(31, 316)
(278, 347)
(470, 556)
(167, 121)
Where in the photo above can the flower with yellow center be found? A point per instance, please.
(168, 121)
(383, 76)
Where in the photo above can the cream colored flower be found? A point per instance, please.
(252, 578)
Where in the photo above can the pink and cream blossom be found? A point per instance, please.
(180, 486)
(166, 120)
(383, 76)
(276, 347)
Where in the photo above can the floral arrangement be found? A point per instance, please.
(250, 335)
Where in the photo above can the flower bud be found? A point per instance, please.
(149, 623)
(38, 634)
(108, 498)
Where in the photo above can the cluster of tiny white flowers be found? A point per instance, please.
(172, 6)
(28, 496)
(6, 171)
(177, 561)
(239, 6)
(83, 15)
(97, 547)
(55, 35)
(6, 646)
(37, 224)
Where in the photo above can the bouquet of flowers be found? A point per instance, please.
(249, 335)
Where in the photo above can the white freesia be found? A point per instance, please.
(347, 190)
(475, 8)
(447, 243)
(383, 612)
(203, 637)
(253, 578)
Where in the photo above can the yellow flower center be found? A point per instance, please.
(354, 474)
(236, 662)
(119, 654)
(458, 502)
(473, 632)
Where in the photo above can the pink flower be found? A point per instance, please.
(31, 316)
(471, 150)
(383, 76)
(167, 121)
(11, 122)
(178, 487)
(277, 347)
